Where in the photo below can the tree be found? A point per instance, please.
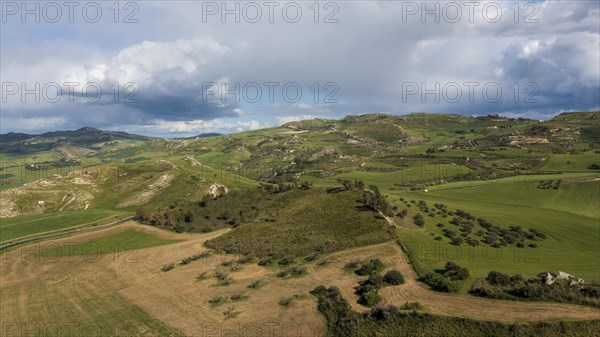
(370, 267)
(418, 220)
(369, 298)
(497, 278)
(375, 200)
(394, 277)
(457, 241)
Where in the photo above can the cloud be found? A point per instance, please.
(286, 119)
(370, 54)
(195, 127)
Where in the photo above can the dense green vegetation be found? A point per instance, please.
(277, 225)
(388, 321)
(515, 287)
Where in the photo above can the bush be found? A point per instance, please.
(497, 278)
(370, 267)
(369, 298)
(455, 272)
(415, 306)
(394, 277)
(383, 312)
(418, 220)
(203, 275)
(440, 283)
(375, 279)
(215, 299)
(246, 259)
(220, 275)
(254, 284)
(168, 267)
(352, 264)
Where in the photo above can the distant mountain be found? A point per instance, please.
(202, 135)
(86, 136)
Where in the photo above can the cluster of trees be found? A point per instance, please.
(493, 235)
(194, 257)
(503, 286)
(447, 280)
(367, 290)
(356, 185)
(283, 187)
(374, 200)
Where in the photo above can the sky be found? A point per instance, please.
(182, 68)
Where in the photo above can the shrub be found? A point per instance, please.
(254, 284)
(455, 272)
(415, 306)
(287, 260)
(440, 283)
(229, 311)
(246, 259)
(394, 277)
(286, 301)
(370, 267)
(312, 256)
(418, 220)
(203, 275)
(497, 278)
(457, 241)
(236, 297)
(383, 312)
(266, 261)
(369, 298)
(220, 275)
(215, 299)
(167, 267)
(375, 279)
(352, 264)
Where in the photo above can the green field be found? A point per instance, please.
(120, 242)
(568, 215)
(26, 225)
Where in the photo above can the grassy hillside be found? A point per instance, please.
(569, 216)
(298, 223)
